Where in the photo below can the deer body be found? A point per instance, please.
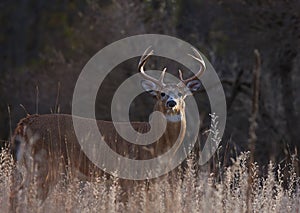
(54, 134)
(46, 145)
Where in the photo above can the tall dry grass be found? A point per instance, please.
(187, 191)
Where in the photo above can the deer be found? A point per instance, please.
(44, 146)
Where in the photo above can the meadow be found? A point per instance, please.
(240, 188)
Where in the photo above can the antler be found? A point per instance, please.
(199, 58)
(143, 60)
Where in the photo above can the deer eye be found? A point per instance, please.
(179, 94)
(162, 94)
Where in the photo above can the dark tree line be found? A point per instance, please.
(46, 42)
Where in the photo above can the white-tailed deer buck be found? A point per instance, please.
(44, 146)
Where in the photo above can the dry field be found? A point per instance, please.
(194, 191)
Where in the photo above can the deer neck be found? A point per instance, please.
(175, 129)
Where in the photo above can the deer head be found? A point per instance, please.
(170, 96)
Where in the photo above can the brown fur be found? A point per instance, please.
(46, 145)
(51, 142)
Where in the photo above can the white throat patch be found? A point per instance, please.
(173, 118)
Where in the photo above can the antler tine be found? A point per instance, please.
(180, 75)
(144, 58)
(141, 65)
(161, 78)
(199, 58)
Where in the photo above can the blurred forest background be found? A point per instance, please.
(45, 44)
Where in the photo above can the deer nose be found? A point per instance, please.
(171, 104)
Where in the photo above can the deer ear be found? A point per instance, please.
(194, 85)
(149, 86)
